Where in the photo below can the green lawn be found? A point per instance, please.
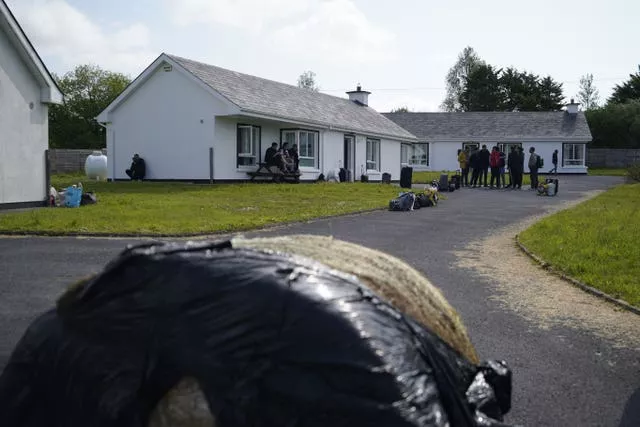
(173, 208)
(597, 242)
(608, 172)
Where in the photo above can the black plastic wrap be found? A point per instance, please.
(272, 340)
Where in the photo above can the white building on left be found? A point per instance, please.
(26, 91)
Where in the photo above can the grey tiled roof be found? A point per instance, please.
(274, 99)
(499, 125)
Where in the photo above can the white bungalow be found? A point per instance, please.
(441, 135)
(197, 122)
(26, 91)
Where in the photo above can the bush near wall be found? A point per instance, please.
(615, 125)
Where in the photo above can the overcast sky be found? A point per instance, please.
(400, 50)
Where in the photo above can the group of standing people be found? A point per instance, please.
(284, 158)
(483, 160)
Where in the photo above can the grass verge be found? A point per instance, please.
(597, 242)
(608, 172)
(176, 208)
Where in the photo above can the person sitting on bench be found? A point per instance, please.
(138, 168)
(287, 158)
(270, 157)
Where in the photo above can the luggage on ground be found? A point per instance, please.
(405, 202)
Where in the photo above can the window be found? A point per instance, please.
(307, 142)
(505, 147)
(473, 146)
(248, 137)
(405, 150)
(373, 154)
(573, 154)
(415, 154)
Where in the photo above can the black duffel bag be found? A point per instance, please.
(272, 340)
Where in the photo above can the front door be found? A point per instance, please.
(349, 156)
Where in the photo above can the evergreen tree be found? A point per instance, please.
(628, 90)
(482, 90)
(550, 95)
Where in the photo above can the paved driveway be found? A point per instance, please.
(563, 376)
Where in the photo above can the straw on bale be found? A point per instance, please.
(398, 283)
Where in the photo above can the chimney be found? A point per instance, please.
(359, 96)
(572, 107)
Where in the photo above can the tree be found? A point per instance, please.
(455, 81)
(403, 109)
(88, 90)
(521, 90)
(617, 125)
(550, 95)
(588, 95)
(629, 90)
(307, 80)
(482, 91)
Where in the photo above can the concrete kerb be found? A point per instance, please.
(548, 267)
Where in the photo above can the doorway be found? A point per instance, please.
(349, 157)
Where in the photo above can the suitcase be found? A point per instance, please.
(456, 179)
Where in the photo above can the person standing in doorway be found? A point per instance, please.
(554, 160)
(484, 164)
(534, 164)
(464, 168)
(494, 162)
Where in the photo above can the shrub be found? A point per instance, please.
(633, 172)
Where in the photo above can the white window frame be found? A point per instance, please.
(373, 155)
(505, 147)
(303, 156)
(408, 155)
(569, 147)
(254, 143)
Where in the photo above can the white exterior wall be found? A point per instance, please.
(545, 149)
(389, 158)
(330, 149)
(170, 122)
(23, 130)
(443, 156)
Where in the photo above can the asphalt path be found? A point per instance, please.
(586, 383)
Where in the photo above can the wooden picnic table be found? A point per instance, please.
(274, 173)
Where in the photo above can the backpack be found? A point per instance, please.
(540, 162)
(424, 200)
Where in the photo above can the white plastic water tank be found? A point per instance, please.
(96, 166)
